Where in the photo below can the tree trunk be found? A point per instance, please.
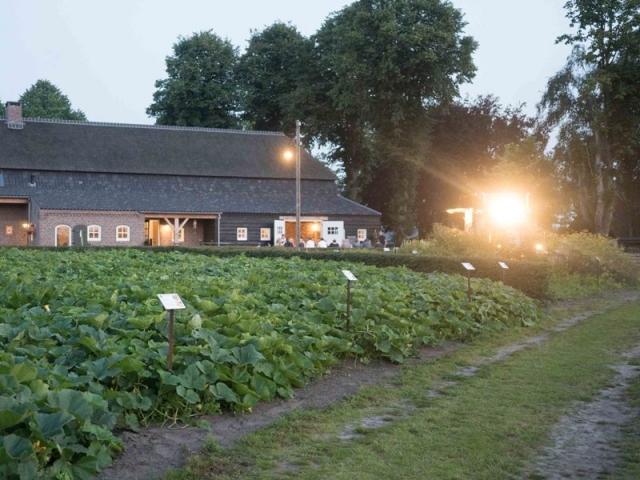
(604, 190)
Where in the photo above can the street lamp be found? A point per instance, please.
(298, 195)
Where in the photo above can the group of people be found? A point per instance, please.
(381, 241)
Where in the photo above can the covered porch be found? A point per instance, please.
(187, 229)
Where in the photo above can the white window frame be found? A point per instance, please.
(333, 231)
(265, 234)
(91, 237)
(126, 233)
(362, 234)
(242, 234)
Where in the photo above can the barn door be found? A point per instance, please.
(333, 231)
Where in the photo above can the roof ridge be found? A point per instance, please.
(153, 127)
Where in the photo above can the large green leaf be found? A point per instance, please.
(104, 368)
(12, 412)
(247, 355)
(192, 378)
(85, 468)
(17, 447)
(50, 424)
(188, 394)
(264, 387)
(24, 373)
(223, 392)
(72, 401)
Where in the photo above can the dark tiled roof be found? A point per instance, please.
(177, 194)
(143, 149)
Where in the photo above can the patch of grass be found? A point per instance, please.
(487, 426)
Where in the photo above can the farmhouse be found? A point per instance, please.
(85, 183)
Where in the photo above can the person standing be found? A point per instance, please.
(382, 240)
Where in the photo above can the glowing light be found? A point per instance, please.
(539, 248)
(288, 155)
(507, 209)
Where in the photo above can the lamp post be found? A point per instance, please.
(298, 199)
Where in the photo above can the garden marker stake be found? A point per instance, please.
(469, 268)
(504, 268)
(171, 302)
(350, 277)
(170, 352)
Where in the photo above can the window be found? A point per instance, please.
(362, 234)
(279, 230)
(181, 235)
(122, 233)
(331, 231)
(265, 234)
(94, 233)
(242, 234)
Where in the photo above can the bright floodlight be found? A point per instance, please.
(288, 154)
(507, 209)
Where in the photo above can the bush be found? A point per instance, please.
(590, 254)
(445, 241)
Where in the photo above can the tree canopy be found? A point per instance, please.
(384, 63)
(44, 100)
(593, 100)
(200, 89)
(468, 140)
(275, 74)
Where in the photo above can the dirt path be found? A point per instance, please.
(584, 442)
(151, 452)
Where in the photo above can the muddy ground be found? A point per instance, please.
(151, 452)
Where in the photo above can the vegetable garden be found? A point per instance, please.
(85, 340)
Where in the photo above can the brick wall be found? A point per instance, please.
(12, 216)
(108, 221)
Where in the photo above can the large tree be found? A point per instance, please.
(201, 88)
(592, 106)
(276, 73)
(467, 140)
(384, 63)
(44, 100)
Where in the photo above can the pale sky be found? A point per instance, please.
(106, 55)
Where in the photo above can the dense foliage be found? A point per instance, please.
(84, 339)
(200, 89)
(594, 102)
(566, 266)
(44, 100)
(276, 72)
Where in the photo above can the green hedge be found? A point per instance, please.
(531, 278)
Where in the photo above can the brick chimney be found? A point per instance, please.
(14, 115)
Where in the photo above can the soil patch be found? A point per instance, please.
(150, 452)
